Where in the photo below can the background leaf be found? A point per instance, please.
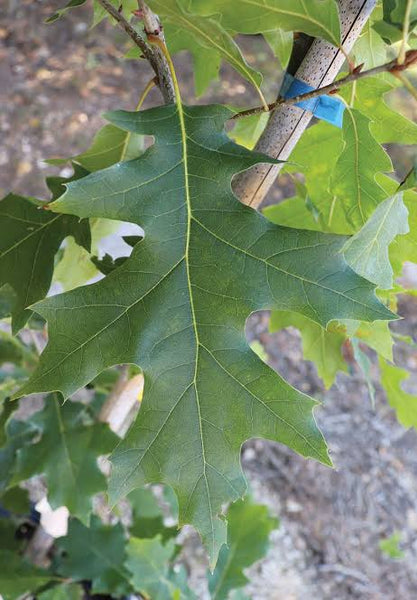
(67, 455)
(317, 18)
(95, 554)
(247, 542)
(404, 404)
(367, 251)
(321, 346)
(29, 240)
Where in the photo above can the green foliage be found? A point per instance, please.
(64, 591)
(247, 541)
(355, 191)
(189, 275)
(391, 28)
(390, 546)
(30, 238)
(388, 126)
(316, 17)
(14, 435)
(404, 404)
(148, 564)
(367, 251)
(147, 516)
(97, 554)
(68, 438)
(59, 13)
(177, 306)
(18, 577)
(203, 33)
(322, 346)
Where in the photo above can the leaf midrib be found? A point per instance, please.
(187, 263)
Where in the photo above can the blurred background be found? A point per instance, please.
(345, 533)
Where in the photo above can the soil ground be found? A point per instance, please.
(55, 81)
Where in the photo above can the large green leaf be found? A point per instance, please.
(367, 250)
(74, 444)
(319, 18)
(29, 240)
(177, 307)
(247, 542)
(95, 554)
(207, 33)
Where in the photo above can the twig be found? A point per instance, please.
(393, 67)
(152, 55)
(406, 28)
(131, 32)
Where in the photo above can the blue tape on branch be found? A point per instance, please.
(327, 108)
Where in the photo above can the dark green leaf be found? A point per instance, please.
(29, 240)
(14, 435)
(67, 455)
(177, 308)
(94, 554)
(18, 578)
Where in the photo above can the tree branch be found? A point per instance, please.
(152, 54)
(394, 66)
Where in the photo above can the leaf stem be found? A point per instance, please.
(391, 67)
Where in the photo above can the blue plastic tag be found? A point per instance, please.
(327, 108)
